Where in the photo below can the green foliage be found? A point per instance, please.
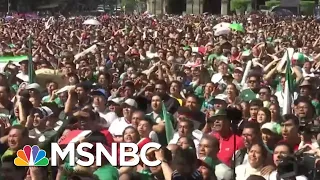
(306, 7)
(270, 4)
(129, 5)
(240, 4)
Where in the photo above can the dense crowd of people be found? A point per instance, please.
(221, 81)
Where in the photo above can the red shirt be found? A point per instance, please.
(143, 142)
(108, 136)
(227, 147)
(295, 147)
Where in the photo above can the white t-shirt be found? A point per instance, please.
(23, 77)
(273, 176)
(108, 117)
(280, 96)
(217, 78)
(243, 171)
(117, 126)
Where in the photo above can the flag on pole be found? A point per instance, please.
(31, 72)
(168, 123)
(288, 89)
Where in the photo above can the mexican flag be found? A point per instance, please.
(288, 89)
(74, 136)
(168, 124)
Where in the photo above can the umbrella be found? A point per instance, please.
(279, 11)
(44, 75)
(9, 18)
(237, 27)
(92, 22)
(222, 31)
(221, 25)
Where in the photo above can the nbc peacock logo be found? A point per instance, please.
(31, 156)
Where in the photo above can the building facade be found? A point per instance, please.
(188, 6)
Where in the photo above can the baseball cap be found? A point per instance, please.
(305, 83)
(222, 113)
(238, 69)
(25, 61)
(115, 101)
(219, 99)
(131, 102)
(45, 111)
(99, 92)
(35, 86)
(222, 59)
(269, 126)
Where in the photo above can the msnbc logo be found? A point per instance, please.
(31, 156)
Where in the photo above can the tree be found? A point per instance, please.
(129, 5)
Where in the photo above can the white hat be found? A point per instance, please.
(33, 86)
(239, 68)
(46, 111)
(270, 126)
(115, 100)
(131, 102)
(64, 89)
(222, 97)
(223, 59)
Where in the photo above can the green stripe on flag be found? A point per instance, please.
(17, 59)
(168, 124)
